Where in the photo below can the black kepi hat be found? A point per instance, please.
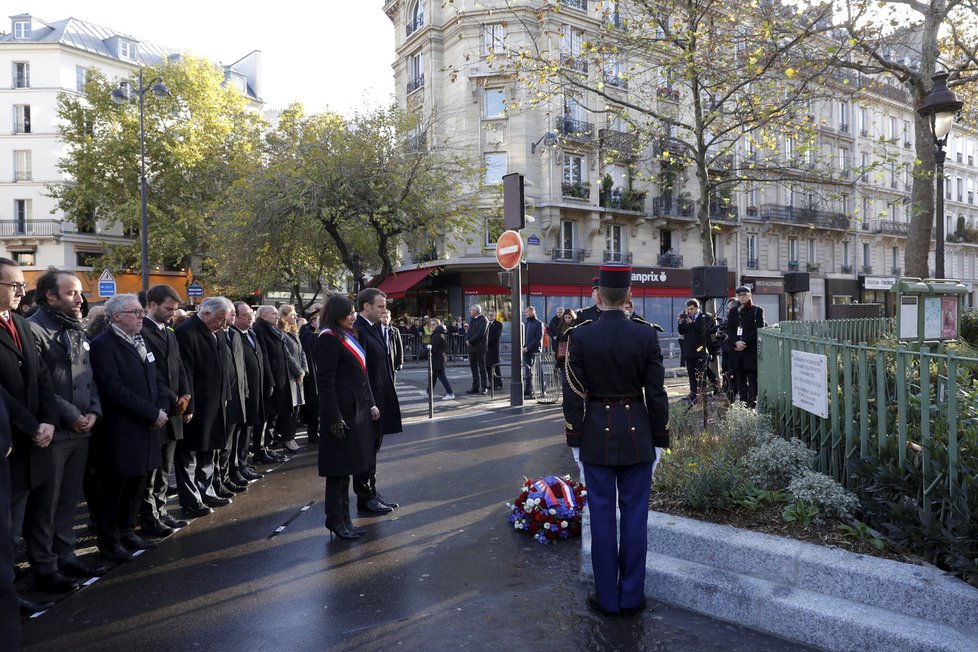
(615, 276)
(594, 283)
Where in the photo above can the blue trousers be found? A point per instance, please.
(619, 567)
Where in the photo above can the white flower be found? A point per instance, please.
(563, 524)
(546, 526)
(553, 512)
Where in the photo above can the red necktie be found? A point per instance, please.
(8, 324)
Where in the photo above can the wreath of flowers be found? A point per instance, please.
(549, 508)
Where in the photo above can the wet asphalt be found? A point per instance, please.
(444, 571)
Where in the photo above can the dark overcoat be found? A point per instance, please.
(237, 375)
(477, 337)
(493, 336)
(258, 374)
(308, 336)
(133, 393)
(439, 348)
(280, 400)
(206, 368)
(697, 334)
(615, 403)
(750, 319)
(344, 393)
(380, 373)
(166, 354)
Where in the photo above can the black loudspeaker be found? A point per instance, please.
(796, 282)
(709, 282)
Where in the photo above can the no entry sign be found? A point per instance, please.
(509, 249)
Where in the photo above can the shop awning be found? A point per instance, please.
(396, 286)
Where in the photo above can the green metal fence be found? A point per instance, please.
(879, 395)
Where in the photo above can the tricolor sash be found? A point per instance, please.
(551, 498)
(353, 346)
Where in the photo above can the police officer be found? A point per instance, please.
(591, 313)
(616, 414)
(742, 325)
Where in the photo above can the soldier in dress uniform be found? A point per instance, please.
(591, 313)
(616, 414)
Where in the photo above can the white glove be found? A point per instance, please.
(658, 456)
(576, 452)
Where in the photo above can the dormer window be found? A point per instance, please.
(22, 29)
(239, 81)
(128, 50)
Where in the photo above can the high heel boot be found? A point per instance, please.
(335, 522)
(347, 519)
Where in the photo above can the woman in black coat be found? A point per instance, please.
(439, 357)
(346, 409)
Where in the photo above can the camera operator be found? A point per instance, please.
(697, 329)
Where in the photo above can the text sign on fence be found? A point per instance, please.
(810, 383)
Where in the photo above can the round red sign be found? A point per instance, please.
(509, 249)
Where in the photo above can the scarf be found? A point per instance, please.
(72, 333)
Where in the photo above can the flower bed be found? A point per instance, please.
(549, 508)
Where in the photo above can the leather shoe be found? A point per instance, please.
(628, 612)
(175, 523)
(136, 542)
(262, 457)
(217, 502)
(251, 474)
(197, 511)
(78, 568)
(222, 490)
(592, 602)
(30, 607)
(472, 391)
(291, 446)
(54, 582)
(155, 528)
(237, 487)
(374, 506)
(115, 552)
(384, 501)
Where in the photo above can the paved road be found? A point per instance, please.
(445, 571)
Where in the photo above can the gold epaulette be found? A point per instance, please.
(655, 326)
(583, 323)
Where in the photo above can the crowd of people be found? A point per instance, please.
(116, 405)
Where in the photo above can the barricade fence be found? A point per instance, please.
(415, 347)
(885, 401)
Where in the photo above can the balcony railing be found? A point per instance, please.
(577, 190)
(618, 257)
(415, 84)
(896, 271)
(622, 200)
(891, 227)
(793, 265)
(670, 145)
(414, 25)
(668, 93)
(574, 4)
(752, 263)
(813, 267)
(15, 228)
(670, 260)
(866, 269)
(568, 255)
(672, 207)
(575, 129)
(724, 214)
(573, 62)
(621, 142)
(810, 216)
(845, 269)
(615, 81)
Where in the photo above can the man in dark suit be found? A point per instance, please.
(477, 341)
(162, 301)
(392, 337)
(532, 345)
(26, 390)
(134, 403)
(259, 379)
(227, 480)
(309, 411)
(697, 329)
(493, 337)
(58, 470)
(616, 414)
(371, 304)
(279, 400)
(743, 323)
(203, 358)
(9, 625)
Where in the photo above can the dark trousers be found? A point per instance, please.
(195, 475)
(699, 374)
(259, 436)
(619, 568)
(223, 465)
(337, 501)
(242, 441)
(9, 614)
(285, 424)
(480, 377)
(492, 364)
(310, 414)
(158, 485)
(51, 505)
(119, 500)
(439, 374)
(528, 359)
(746, 379)
(365, 484)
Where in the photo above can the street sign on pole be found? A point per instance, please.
(195, 289)
(509, 249)
(106, 284)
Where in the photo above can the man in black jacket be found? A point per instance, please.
(477, 340)
(259, 379)
(9, 621)
(227, 480)
(743, 323)
(279, 400)
(58, 470)
(492, 351)
(161, 302)
(309, 411)
(531, 347)
(697, 329)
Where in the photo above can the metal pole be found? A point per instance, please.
(431, 387)
(144, 224)
(939, 157)
(516, 321)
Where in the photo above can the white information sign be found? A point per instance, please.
(810, 383)
(908, 317)
(932, 318)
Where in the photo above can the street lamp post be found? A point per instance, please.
(939, 110)
(122, 95)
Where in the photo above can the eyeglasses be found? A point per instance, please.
(136, 313)
(18, 287)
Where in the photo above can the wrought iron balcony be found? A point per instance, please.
(19, 228)
(845, 269)
(670, 260)
(867, 269)
(621, 142)
(575, 129)
(896, 271)
(724, 214)
(618, 257)
(752, 263)
(813, 267)
(670, 145)
(415, 84)
(568, 255)
(578, 190)
(808, 216)
(574, 4)
(793, 265)
(573, 62)
(622, 200)
(414, 25)
(891, 227)
(615, 81)
(672, 207)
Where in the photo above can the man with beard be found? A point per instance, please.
(57, 471)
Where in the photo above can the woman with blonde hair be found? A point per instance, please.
(297, 368)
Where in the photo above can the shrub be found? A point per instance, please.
(712, 485)
(776, 462)
(821, 491)
(744, 428)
